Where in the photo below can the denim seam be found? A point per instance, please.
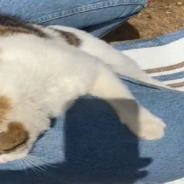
(122, 22)
(89, 7)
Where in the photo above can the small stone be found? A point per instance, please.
(140, 14)
(168, 12)
(179, 3)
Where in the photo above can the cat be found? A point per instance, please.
(43, 70)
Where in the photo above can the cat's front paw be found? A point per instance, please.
(148, 127)
(151, 128)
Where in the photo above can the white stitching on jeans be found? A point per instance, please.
(86, 8)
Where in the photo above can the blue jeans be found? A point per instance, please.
(92, 146)
(95, 16)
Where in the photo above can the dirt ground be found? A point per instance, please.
(158, 18)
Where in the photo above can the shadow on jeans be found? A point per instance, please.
(124, 32)
(99, 149)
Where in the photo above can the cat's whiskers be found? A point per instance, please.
(40, 160)
(36, 166)
(26, 162)
(23, 163)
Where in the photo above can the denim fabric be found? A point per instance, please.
(95, 16)
(94, 147)
(154, 42)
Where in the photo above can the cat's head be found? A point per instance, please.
(19, 129)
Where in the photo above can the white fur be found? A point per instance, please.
(118, 62)
(41, 76)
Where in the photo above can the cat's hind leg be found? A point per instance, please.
(118, 62)
(139, 120)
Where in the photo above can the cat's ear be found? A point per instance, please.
(15, 137)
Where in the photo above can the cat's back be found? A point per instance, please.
(33, 44)
(33, 58)
(42, 54)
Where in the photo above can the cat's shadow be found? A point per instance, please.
(99, 149)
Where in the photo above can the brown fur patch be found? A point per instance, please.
(15, 137)
(20, 26)
(11, 30)
(5, 107)
(70, 38)
(5, 31)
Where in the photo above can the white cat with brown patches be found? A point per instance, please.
(43, 69)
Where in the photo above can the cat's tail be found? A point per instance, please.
(131, 70)
(138, 75)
